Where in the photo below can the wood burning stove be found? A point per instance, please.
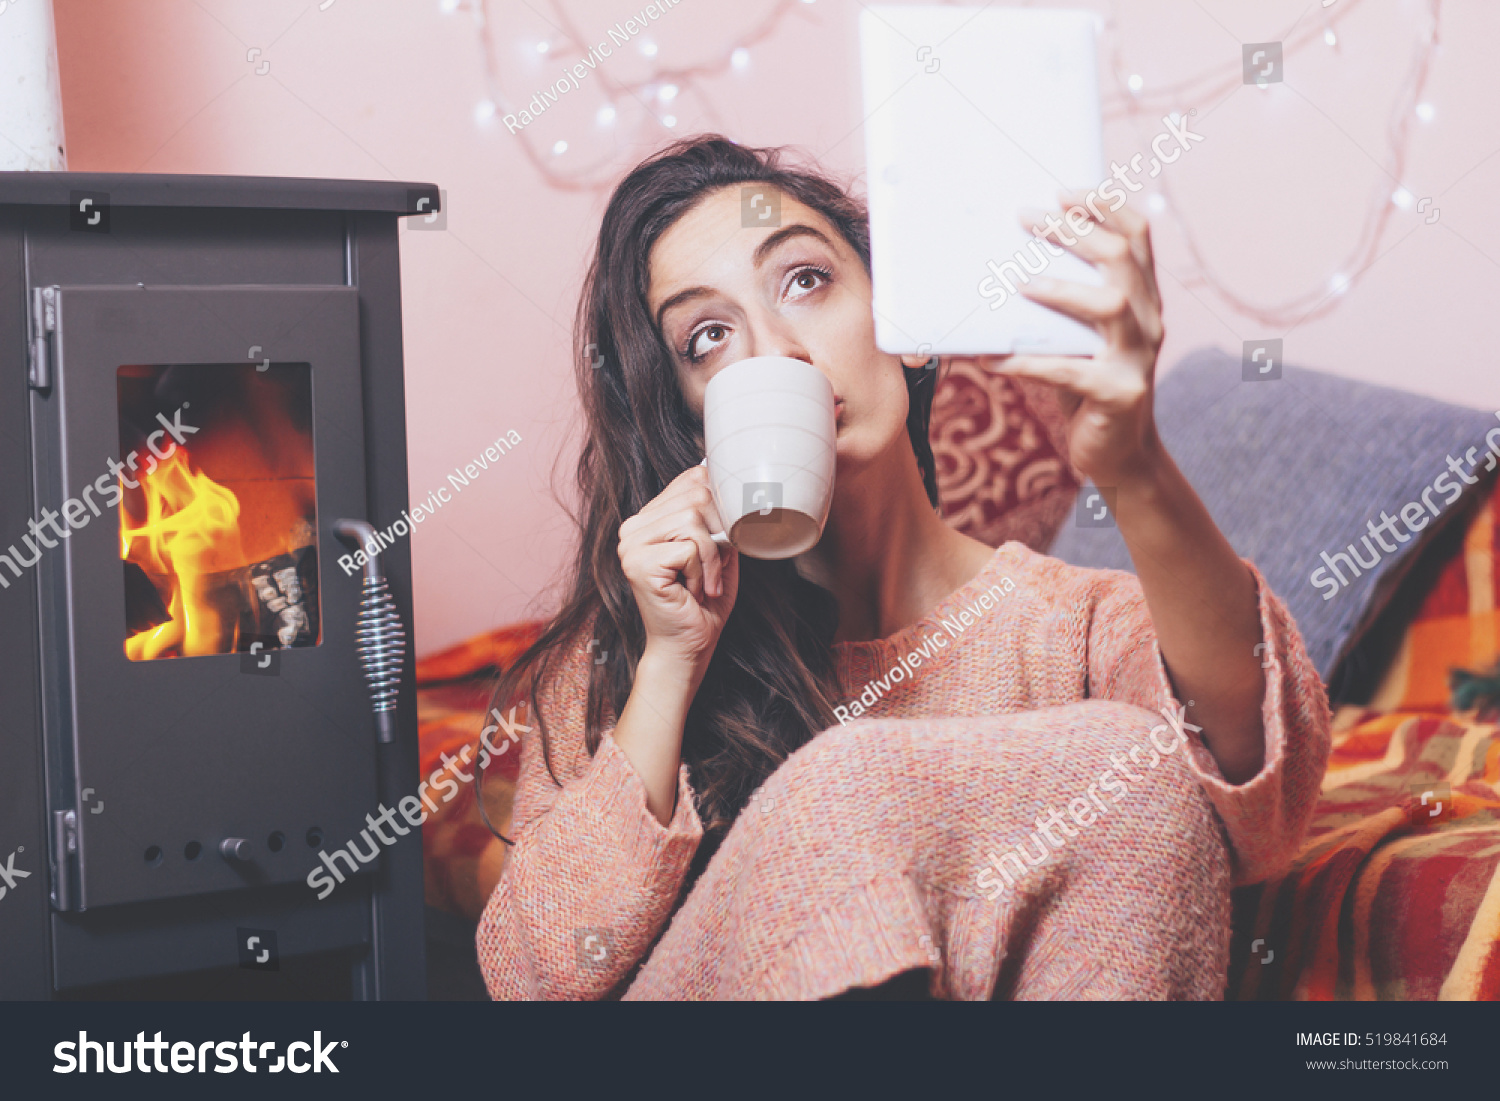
(203, 395)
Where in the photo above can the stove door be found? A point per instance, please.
(207, 721)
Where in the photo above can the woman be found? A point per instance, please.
(688, 762)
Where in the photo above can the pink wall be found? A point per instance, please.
(1275, 197)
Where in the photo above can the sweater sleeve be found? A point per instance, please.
(1267, 815)
(593, 875)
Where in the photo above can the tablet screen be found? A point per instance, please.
(972, 114)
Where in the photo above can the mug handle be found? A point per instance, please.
(719, 537)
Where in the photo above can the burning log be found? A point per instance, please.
(187, 593)
(144, 609)
(282, 607)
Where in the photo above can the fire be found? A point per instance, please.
(191, 530)
(219, 539)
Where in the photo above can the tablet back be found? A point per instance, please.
(970, 115)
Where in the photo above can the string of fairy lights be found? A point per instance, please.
(1388, 193)
(632, 112)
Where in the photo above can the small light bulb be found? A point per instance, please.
(1339, 283)
(667, 92)
(669, 120)
(1156, 202)
(1425, 112)
(740, 58)
(484, 110)
(1402, 198)
(606, 114)
(559, 148)
(1135, 82)
(1330, 37)
(543, 46)
(648, 48)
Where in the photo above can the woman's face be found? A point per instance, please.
(722, 292)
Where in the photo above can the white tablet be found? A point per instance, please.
(970, 115)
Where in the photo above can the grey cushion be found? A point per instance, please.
(1293, 469)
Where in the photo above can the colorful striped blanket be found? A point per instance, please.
(1396, 893)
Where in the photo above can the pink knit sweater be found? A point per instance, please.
(890, 842)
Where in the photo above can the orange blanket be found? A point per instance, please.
(1396, 893)
(461, 859)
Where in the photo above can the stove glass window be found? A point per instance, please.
(218, 515)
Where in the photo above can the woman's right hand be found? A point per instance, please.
(684, 583)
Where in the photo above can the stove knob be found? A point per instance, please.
(235, 848)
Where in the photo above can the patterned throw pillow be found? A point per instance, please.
(1001, 456)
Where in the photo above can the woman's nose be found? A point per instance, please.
(773, 339)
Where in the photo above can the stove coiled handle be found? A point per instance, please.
(380, 639)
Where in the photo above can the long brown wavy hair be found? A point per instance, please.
(768, 685)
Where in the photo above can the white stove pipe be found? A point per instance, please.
(31, 120)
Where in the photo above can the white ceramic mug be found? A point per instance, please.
(770, 431)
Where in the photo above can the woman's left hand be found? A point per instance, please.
(1108, 396)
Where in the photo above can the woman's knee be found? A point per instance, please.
(1127, 749)
(1157, 815)
(1130, 788)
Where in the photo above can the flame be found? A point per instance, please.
(191, 529)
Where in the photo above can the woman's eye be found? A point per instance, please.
(705, 340)
(805, 280)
